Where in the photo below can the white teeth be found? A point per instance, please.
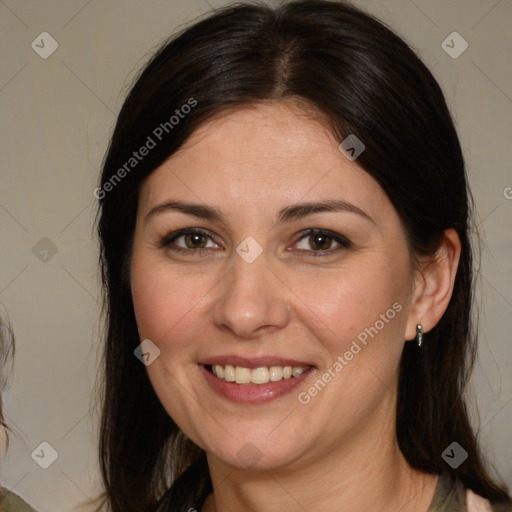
(242, 375)
(218, 370)
(261, 375)
(298, 370)
(229, 373)
(276, 373)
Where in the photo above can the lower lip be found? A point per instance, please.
(253, 393)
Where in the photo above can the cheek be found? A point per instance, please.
(170, 304)
(355, 302)
(360, 321)
(168, 307)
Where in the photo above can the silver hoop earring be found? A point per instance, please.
(419, 334)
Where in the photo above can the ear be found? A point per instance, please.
(434, 285)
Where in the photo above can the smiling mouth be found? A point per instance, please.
(261, 375)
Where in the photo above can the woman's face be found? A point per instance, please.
(293, 257)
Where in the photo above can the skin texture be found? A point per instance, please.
(337, 452)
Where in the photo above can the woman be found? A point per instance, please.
(288, 275)
(9, 501)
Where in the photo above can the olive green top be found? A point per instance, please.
(10, 502)
(450, 496)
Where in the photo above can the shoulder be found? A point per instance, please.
(475, 503)
(10, 502)
(452, 495)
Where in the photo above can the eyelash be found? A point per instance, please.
(343, 242)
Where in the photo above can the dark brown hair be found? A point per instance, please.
(364, 80)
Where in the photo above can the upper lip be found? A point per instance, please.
(253, 362)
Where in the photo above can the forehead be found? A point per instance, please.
(276, 153)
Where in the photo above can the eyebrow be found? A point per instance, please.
(287, 214)
(301, 210)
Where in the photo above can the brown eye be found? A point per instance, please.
(195, 240)
(191, 240)
(319, 241)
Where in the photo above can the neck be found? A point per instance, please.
(365, 472)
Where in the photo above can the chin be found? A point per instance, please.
(253, 454)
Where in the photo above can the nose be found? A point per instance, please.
(252, 300)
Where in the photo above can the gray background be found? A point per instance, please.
(57, 114)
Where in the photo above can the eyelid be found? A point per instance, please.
(341, 240)
(171, 237)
